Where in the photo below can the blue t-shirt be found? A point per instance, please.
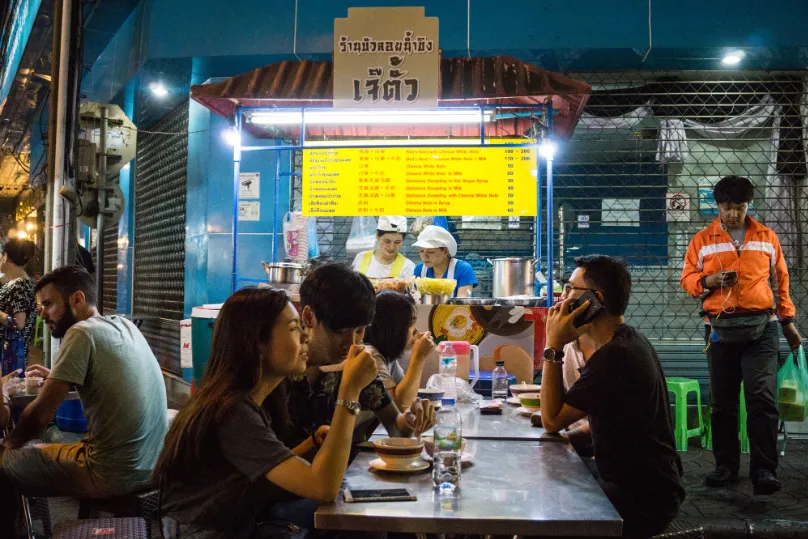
(463, 274)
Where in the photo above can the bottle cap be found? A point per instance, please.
(501, 363)
(447, 401)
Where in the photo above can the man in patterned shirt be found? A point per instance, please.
(337, 303)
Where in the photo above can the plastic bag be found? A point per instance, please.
(314, 246)
(12, 350)
(419, 224)
(464, 392)
(296, 236)
(362, 236)
(442, 222)
(792, 388)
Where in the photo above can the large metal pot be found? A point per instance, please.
(513, 277)
(472, 301)
(521, 301)
(435, 299)
(283, 272)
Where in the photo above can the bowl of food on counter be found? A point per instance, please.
(398, 453)
(435, 291)
(530, 401)
(519, 389)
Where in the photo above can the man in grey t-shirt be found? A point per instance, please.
(122, 392)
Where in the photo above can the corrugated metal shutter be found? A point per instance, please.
(159, 248)
(110, 299)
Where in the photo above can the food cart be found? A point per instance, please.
(497, 119)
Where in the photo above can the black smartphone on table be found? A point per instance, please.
(377, 495)
(594, 309)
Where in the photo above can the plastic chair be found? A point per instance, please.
(681, 387)
(707, 439)
(39, 509)
(519, 366)
(129, 528)
(39, 331)
(144, 504)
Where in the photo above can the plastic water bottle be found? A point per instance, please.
(446, 457)
(499, 382)
(448, 371)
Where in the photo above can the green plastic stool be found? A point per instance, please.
(680, 387)
(39, 331)
(707, 439)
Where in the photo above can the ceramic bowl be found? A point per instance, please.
(519, 389)
(429, 445)
(398, 452)
(530, 401)
(434, 395)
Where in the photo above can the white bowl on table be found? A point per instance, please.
(398, 453)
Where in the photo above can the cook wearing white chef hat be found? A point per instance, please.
(386, 261)
(438, 248)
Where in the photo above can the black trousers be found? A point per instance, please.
(641, 519)
(755, 364)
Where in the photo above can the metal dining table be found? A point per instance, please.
(24, 399)
(511, 488)
(510, 425)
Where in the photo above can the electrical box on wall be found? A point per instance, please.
(121, 148)
(121, 134)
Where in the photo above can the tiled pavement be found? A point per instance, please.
(735, 511)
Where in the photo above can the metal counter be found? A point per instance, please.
(524, 488)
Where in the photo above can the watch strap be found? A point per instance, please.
(556, 356)
(353, 406)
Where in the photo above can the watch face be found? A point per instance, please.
(549, 354)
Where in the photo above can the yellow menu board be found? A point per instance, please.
(420, 180)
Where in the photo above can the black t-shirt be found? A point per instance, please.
(312, 406)
(224, 499)
(623, 390)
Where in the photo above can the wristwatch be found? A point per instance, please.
(553, 356)
(352, 406)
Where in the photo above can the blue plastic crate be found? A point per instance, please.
(70, 417)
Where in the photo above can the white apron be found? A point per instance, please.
(449, 272)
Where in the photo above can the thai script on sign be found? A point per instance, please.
(368, 45)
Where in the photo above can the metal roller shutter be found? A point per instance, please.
(159, 248)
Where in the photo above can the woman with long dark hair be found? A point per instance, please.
(222, 463)
(17, 299)
(391, 333)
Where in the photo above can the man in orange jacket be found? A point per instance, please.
(729, 266)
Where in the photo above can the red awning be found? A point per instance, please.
(500, 80)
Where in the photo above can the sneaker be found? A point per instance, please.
(721, 477)
(765, 482)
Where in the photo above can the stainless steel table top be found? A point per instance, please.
(24, 399)
(512, 487)
(508, 426)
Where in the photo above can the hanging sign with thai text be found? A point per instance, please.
(386, 58)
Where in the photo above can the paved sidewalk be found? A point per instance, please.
(735, 511)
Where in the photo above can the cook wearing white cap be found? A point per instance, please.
(386, 261)
(438, 248)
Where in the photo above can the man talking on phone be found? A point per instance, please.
(622, 390)
(729, 266)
